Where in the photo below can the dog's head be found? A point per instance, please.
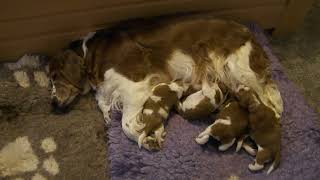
(69, 79)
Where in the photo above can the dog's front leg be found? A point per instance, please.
(104, 106)
(226, 144)
(263, 156)
(203, 137)
(107, 96)
(241, 143)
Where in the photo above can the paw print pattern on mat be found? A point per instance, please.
(18, 157)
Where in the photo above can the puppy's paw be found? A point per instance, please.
(151, 144)
(107, 119)
(160, 135)
(107, 115)
(224, 147)
(249, 149)
(202, 139)
(239, 144)
(255, 166)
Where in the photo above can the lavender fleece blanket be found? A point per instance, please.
(182, 158)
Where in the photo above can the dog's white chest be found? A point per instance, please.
(117, 89)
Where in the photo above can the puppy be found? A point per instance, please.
(231, 124)
(155, 112)
(203, 102)
(196, 106)
(264, 129)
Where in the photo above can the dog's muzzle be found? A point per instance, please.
(56, 107)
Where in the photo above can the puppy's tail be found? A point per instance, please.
(275, 163)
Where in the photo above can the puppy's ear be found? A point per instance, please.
(72, 68)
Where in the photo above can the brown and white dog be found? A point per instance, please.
(203, 102)
(231, 124)
(123, 65)
(264, 128)
(155, 112)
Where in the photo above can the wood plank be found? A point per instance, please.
(293, 16)
(17, 9)
(12, 29)
(51, 42)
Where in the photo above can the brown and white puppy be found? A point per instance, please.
(155, 112)
(231, 124)
(121, 64)
(264, 127)
(203, 102)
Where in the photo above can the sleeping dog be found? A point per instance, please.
(231, 124)
(203, 102)
(123, 64)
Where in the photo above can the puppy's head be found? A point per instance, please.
(68, 76)
(247, 98)
(168, 94)
(201, 110)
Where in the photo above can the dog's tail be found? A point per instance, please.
(275, 163)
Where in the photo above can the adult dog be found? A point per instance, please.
(123, 65)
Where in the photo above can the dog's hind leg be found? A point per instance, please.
(226, 144)
(263, 156)
(249, 149)
(105, 97)
(203, 137)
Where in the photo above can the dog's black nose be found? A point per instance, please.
(56, 108)
(54, 103)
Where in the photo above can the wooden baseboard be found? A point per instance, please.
(50, 30)
(292, 16)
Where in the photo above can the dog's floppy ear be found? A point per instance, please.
(72, 68)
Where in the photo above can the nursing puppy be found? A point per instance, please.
(265, 129)
(155, 112)
(203, 102)
(231, 124)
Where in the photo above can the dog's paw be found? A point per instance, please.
(255, 166)
(151, 143)
(224, 147)
(17, 160)
(202, 139)
(107, 120)
(107, 116)
(249, 149)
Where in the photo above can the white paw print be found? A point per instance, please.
(18, 157)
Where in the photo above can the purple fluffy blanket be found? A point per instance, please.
(182, 158)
